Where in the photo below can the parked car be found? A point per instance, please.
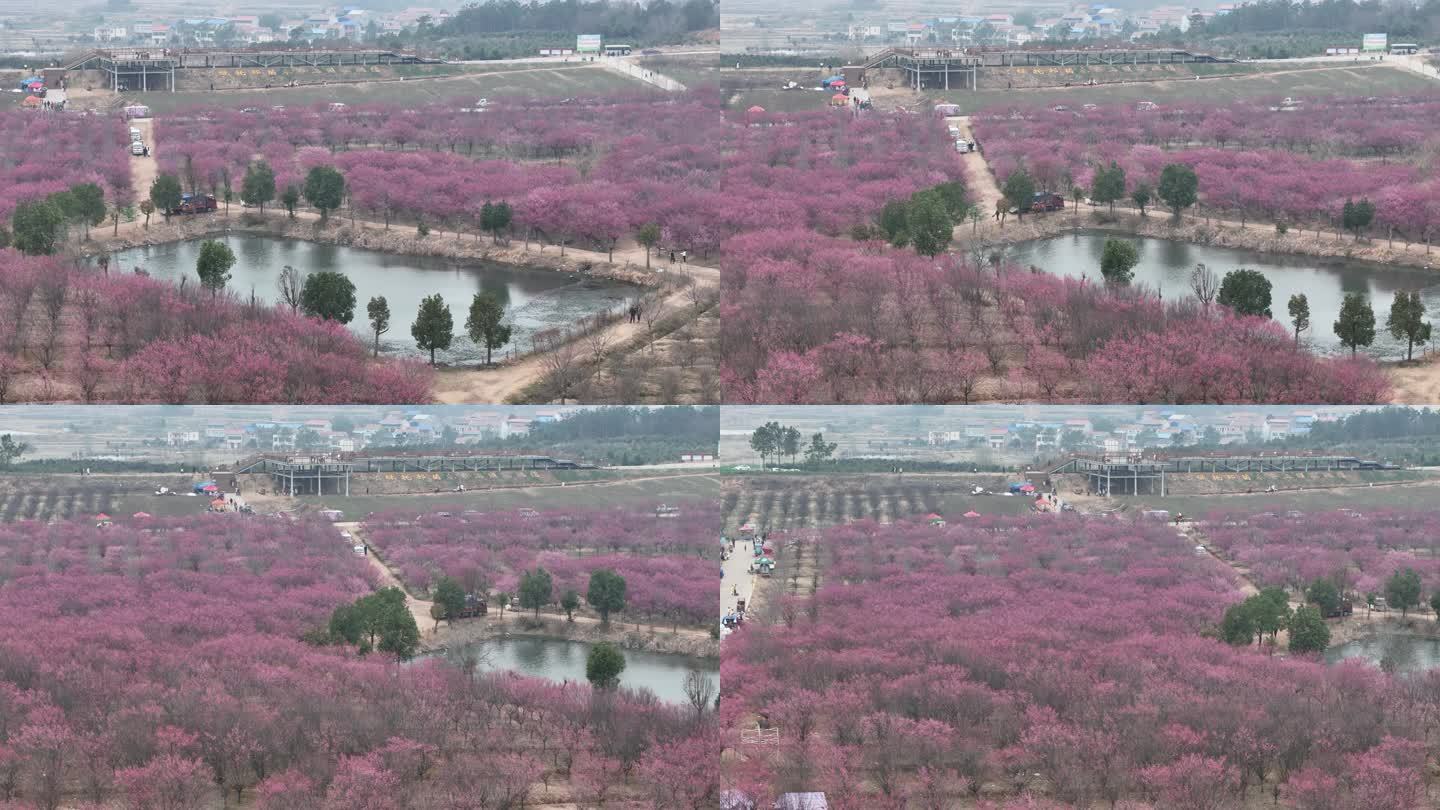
(1345, 608)
(1046, 201)
(195, 204)
(137, 148)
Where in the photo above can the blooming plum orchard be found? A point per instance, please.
(663, 560)
(1073, 652)
(594, 170)
(41, 154)
(806, 318)
(125, 337)
(1253, 159)
(1359, 551)
(159, 663)
(828, 172)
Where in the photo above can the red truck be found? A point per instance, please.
(194, 204)
(1046, 201)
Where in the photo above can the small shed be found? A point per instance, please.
(736, 800)
(802, 801)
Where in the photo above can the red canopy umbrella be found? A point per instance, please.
(972, 514)
(211, 488)
(756, 109)
(102, 516)
(218, 502)
(31, 100)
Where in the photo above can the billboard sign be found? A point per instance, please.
(587, 43)
(1374, 42)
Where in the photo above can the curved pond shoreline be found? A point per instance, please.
(544, 290)
(400, 240)
(1165, 265)
(1193, 229)
(564, 660)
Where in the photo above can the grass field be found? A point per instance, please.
(691, 71)
(660, 487)
(1238, 81)
(1352, 80)
(802, 501)
(62, 502)
(511, 80)
(1405, 496)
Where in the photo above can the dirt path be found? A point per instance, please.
(1188, 530)
(737, 583)
(1417, 384)
(419, 608)
(501, 384)
(143, 168)
(977, 171)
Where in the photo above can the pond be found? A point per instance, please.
(560, 660)
(1396, 652)
(1166, 265)
(538, 299)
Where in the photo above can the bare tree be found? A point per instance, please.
(699, 691)
(685, 351)
(54, 288)
(651, 315)
(597, 341)
(670, 387)
(290, 284)
(1204, 283)
(707, 381)
(698, 295)
(561, 362)
(629, 379)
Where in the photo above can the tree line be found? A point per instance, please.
(508, 28)
(1269, 611)
(774, 439)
